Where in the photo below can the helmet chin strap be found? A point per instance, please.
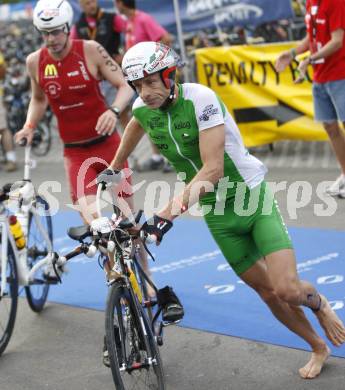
(67, 36)
(65, 45)
(170, 98)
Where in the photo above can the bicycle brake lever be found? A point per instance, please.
(143, 237)
(138, 216)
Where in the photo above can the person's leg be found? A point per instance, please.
(271, 237)
(272, 240)
(336, 91)
(292, 317)
(8, 147)
(337, 138)
(281, 266)
(7, 141)
(328, 100)
(242, 240)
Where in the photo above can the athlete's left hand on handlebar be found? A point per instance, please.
(106, 123)
(157, 226)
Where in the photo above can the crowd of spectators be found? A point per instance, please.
(19, 39)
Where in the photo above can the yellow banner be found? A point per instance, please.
(266, 105)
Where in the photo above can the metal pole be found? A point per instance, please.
(180, 39)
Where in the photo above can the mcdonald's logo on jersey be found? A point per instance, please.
(50, 71)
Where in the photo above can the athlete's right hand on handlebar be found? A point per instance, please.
(157, 226)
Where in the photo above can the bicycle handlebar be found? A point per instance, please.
(36, 139)
(101, 242)
(23, 142)
(82, 248)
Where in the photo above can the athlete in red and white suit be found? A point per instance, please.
(66, 74)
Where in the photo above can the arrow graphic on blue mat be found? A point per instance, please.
(281, 112)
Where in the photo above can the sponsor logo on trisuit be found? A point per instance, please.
(50, 71)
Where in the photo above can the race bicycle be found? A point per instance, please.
(133, 328)
(25, 267)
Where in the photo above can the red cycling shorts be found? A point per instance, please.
(83, 164)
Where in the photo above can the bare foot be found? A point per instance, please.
(313, 368)
(331, 323)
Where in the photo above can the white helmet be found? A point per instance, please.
(50, 14)
(146, 58)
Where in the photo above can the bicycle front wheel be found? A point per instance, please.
(37, 292)
(133, 353)
(8, 302)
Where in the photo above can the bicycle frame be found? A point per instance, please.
(90, 250)
(137, 265)
(25, 197)
(142, 279)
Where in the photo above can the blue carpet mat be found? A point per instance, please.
(214, 298)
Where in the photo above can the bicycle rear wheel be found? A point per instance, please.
(8, 302)
(135, 364)
(37, 293)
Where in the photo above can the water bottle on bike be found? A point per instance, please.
(17, 231)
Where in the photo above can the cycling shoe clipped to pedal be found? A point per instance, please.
(172, 309)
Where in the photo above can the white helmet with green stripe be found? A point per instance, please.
(146, 58)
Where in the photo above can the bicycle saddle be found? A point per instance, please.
(79, 232)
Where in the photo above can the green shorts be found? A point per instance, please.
(250, 227)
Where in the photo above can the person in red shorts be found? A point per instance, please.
(66, 74)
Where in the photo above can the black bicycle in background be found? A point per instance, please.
(16, 100)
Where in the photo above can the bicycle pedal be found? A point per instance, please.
(168, 323)
(38, 281)
(52, 281)
(159, 340)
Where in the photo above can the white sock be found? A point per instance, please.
(11, 156)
